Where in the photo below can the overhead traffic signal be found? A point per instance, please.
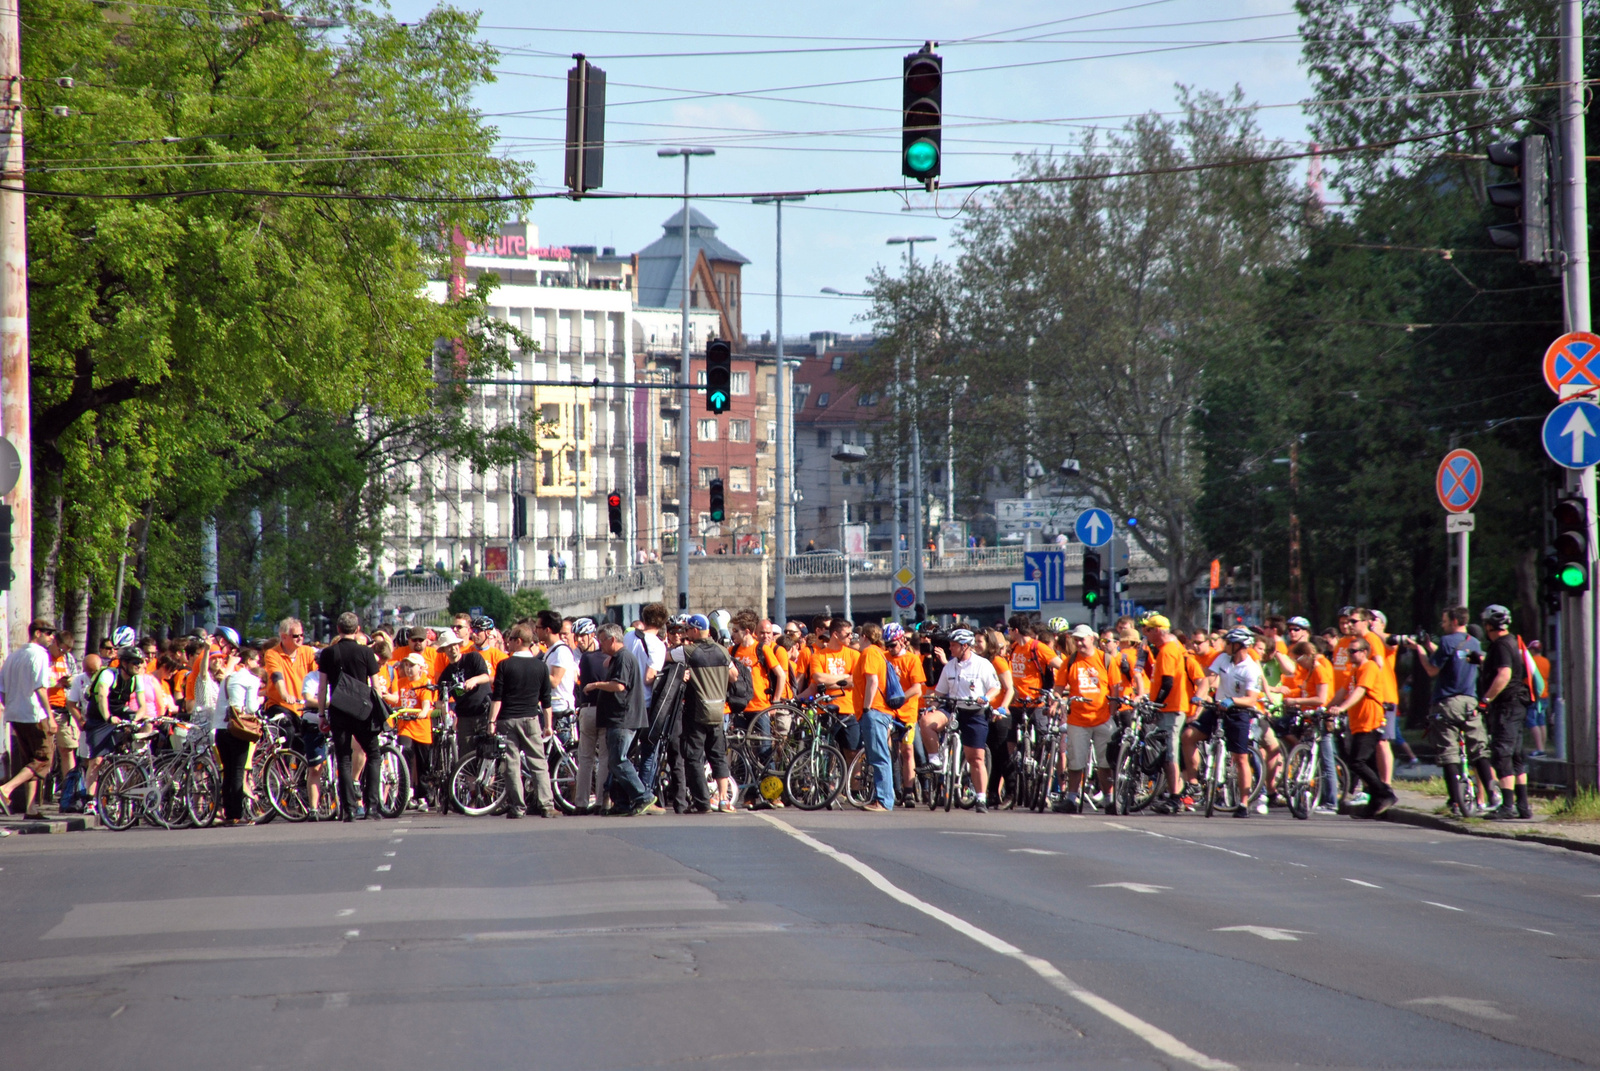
(614, 512)
(1531, 235)
(586, 127)
(922, 119)
(718, 509)
(1570, 569)
(719, 375)
(1093, 591)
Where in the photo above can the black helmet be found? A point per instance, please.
(482, 623)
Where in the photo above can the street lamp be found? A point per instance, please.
(782, 521)
(916, 441)
(684, 388)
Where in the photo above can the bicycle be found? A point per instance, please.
(816, 773)
(1027, 781)
(1141, 747)
(1219, 776)
(1472, 803)
(477, 786)
(137, 784)
(1305, 771)
(950, 781)
(860, 788)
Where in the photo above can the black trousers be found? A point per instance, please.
(999, 745)
(234, 752)
(365, 732)
(1504, 722)
(1363, 751)
(699, 743)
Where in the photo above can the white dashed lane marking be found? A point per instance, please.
(1363, 884)
(1447, 907)
(381, 869)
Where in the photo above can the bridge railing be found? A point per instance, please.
(431, 593)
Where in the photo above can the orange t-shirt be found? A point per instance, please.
(1367, 715)
(1029, 658)
(871, 663)
(1388, 687)
(1341, 663)
(1002, 669)
(761, 698)
(835, 663)
(57, 693)
(294, 669)
(1169, 662)
(1087, 677)
(416, 697)
(1306, 680)
(779, 660)
(909, 668)
(1543, 665)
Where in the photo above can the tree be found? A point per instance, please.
(477, 595)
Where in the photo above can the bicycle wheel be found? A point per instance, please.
(815, 777)
(445, 759)
(859, 787)
(746, 771)
(477, 786)
(563, 779)
(950, 776)
(394, 782)
(1231, 796)
(1300, 781)
(286, 785)
(202, 792)
(119, 797)
(168, 807)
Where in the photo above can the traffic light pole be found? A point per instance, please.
(1578, 626)
(782, 518)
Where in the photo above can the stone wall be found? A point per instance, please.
(732, 583)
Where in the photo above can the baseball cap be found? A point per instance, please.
(1083, 632)
(1347, 611)
(447, 638)
(698, 621)
(415, 659)
(1379, 615)
(1156, 621)
(1300, 622)
(583, 627)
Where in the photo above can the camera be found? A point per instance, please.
(1420, 637)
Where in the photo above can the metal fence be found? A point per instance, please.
(431, 593)
(881, 563)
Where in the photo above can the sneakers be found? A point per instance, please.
(1241, 811)
(1260, 806)
(1357, 799)
(981, 807)
(645, 806)
(1324, 808)
(1506, 812)
(1067, 804)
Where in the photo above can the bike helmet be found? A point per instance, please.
(130, 656)
(125, 637)
(1240, 635)
(1497, 616)
(1347, 611)
(892, 632)
(224, 633)
(482, 624)
(583, 627)
(1057, 624)
(962, 635)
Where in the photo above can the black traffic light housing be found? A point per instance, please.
(1093, 591)
(614, 512)
(1531, 236)
(586, 127)
(719, 509)
(922, 116)
(519, 517)
(1569, 573)
(719, 375)
(7, 574)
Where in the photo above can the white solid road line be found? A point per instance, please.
(1447, 907)
(1268, 933)
(967, 833)
(1034, 851)
(1149, 1033)
(1363, 884)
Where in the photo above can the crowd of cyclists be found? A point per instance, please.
(723, 712)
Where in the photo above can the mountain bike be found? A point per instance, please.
(948, 778)
(1219, 776)
(817, 769)
(478, 787)
(1141, 746)
(1305, 771)
(860, 788)
(1028, 770)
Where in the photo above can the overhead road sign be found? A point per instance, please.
(1459, 481)
(1572, 434)
(1047, 568)
(1094, 527)
(1572, 363)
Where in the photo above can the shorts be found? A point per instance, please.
(101, 738)
(35, 745)
(1504, 722)
(1454, 720)
(1235, 727)
(974, 725)
(1170, 722)
(1284, 725)
(1081, 738)
(1538, 715)
(847, 732)
(1391, 722)
(67, 734)
(312, 743)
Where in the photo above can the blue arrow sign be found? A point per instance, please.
(1572, 434)
(1094, 527)
(1048, 569)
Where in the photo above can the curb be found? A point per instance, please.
(1405, 816)
(76, 823)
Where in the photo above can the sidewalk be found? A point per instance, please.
(52, 822)
(1428, 811)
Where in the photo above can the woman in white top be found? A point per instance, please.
(241, 690)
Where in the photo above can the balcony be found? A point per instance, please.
(670, 455)
(761, 446)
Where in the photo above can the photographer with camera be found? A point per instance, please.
(1454, 718)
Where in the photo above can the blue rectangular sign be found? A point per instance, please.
(1048, 569)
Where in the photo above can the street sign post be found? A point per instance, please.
(1572, 434)
(1458, 483)
(1567, 367)
(1024, 595)
(1047, 568)
(1094, 527)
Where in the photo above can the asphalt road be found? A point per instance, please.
(830, 940)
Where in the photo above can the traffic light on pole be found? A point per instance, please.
(922, 118)
(1570, 573)
(718, 509)
(1093, 592)
(614, 512)
(586, 127)
(719, 375)
(1531, 235)
(7, 574)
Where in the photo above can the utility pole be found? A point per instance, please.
(14, 407)
(685, 388)
(918, 502)
(1578, 626)
(782, 517)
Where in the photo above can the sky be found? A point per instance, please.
(807, 96)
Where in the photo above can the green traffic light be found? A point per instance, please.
(1571, 576)
(922, 156)
(1091, 597)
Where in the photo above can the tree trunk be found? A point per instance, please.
(45, 576)
(140, 570)
(80, 622)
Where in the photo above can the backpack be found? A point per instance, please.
(708, 682)
(894, 695)
(743, 690)
(73, 792)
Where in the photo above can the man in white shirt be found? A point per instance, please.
(1238, 694)
(26, 678)
(645, 645)
(969, 678)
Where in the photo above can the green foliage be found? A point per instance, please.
(526, 603)
(489, 598)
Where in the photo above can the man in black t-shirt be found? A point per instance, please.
(466, 680)
(1504, 701)
(618, 697)
(520, 705)
(348, 656)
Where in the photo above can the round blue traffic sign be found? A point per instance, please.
(905, 598)
(1572, 434)
(1093, 527)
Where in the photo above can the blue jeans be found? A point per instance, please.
(1330, 770)
(875, 731)
(627, 791)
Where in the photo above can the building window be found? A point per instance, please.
(772, 384)
(700, 377)
(772, 479)
(867, 399)
(707, 475)
(822, 400)
(772, 431)
(547, 467)
(838, 361)
(550, 414)
(741, 382)
(669, 431)
(846, 480)
(738, 431)
(877, 514)
(822, 438)
(705, 523)
(866, 438)
(706, 430)
(739, 479)
(802, 391)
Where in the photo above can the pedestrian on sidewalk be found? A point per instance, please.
(26, 679)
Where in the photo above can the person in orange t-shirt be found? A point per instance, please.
(1169, 686)
(413, 695)
(1539, 712)
(1365, 708)
(285, 668)
(1089, 724)
(913, 681)
(869, 677)
(833, 666)
(1340, 655)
